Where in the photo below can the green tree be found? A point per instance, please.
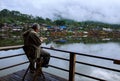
(59, 22)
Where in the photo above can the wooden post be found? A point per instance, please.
(117, 62)
(72, 67)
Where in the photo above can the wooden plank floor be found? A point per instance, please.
(18, 77)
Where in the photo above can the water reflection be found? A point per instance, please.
(105, 47)
(86, 40)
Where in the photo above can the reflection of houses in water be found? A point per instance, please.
(60, 40)
(106, 39)
(84, 40)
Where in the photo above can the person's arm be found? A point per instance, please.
(42, 39)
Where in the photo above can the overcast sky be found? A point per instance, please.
(107, 11)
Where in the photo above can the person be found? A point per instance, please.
(32, 48)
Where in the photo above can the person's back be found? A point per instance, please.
(31, 39)
(32, 43)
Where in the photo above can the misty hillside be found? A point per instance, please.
(7, 16)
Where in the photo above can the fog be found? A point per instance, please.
(80, 10)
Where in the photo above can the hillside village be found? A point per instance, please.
(7, 29)
(14, 23)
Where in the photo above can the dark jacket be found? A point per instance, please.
(31, 44)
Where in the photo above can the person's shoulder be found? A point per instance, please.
(33, 33)
(26, 33)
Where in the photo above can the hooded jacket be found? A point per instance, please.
(31, 43)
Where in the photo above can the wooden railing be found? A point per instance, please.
(72, 62)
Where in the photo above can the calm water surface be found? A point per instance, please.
(108, 49)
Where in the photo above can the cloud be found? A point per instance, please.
(79, 10)
(108, 75)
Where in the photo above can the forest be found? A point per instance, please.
(18, 18)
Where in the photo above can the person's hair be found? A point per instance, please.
(35, 26)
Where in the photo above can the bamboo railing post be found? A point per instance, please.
(72, 67)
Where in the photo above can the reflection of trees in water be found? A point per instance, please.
(66, 40)
(17, 40)
(10, 41)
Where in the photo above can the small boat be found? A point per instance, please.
(60, 40)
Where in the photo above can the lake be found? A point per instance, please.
(106, 48)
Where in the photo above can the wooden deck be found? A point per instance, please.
(18, 77)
